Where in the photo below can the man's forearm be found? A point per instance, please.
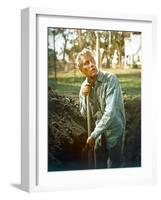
(83, 109)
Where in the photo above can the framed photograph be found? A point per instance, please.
(97, 64)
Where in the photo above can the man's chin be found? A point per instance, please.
(94, 74)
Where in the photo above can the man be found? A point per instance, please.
(106, 111)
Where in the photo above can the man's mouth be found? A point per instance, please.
(94, 70)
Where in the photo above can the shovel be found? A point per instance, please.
(88, 150)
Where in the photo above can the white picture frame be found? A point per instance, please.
(34, 176)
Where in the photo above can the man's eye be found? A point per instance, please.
(86, 63)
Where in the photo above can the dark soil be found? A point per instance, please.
(132, 150)
(67, 134)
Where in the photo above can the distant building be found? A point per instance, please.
(133, 58)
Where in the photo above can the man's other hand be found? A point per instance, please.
(90, 141)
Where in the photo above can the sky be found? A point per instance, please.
(59, 42)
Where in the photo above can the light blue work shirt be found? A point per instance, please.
(106, 108)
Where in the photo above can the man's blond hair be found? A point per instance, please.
(79, 57)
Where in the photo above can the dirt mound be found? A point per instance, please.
(67, 134)
(132, 150)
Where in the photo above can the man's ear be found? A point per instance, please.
(81, 70)
(82, 73)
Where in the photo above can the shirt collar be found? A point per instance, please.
(100, 76)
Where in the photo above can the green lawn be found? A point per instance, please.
(69, 83)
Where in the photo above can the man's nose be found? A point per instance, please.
(91, 64)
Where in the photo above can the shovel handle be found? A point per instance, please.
(88, 116)
(91, 153)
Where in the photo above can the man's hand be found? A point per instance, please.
(90, 141)
(86, 89)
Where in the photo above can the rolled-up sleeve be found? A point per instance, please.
(110, 108)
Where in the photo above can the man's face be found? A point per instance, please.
(88, 67)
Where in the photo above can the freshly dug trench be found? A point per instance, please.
(67, 134)
(132, 150)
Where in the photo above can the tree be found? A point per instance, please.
(53, 32)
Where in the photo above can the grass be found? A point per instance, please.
(69, 83)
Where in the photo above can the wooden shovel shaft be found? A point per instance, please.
(88, 116)
(91, 154)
